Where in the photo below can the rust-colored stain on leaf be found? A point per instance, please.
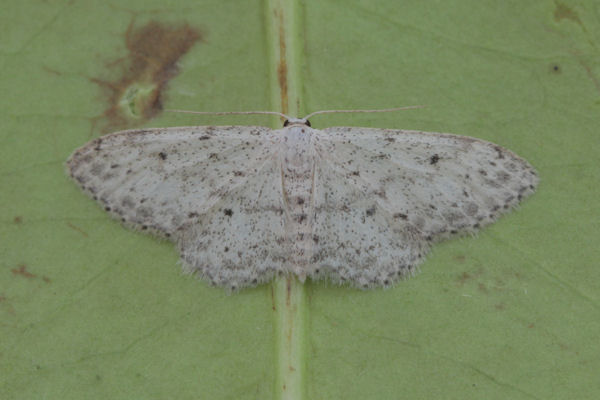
(562, 11)
(282, 71)
(77, 229)
(22, 270)
(288, 291)
(154, 50)
(590, 72)
(6, 306)
(274, 307)
(18, 219)
(464, 278)
(468, 277)
(282, 75)
(460, 258)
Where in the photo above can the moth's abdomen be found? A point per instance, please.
(297, 175)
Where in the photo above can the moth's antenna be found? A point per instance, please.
(230, 112)
(287, 117)
(361, 111)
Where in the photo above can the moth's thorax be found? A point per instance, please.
(297, 158)
(295, 145)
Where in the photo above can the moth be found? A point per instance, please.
(356, 206)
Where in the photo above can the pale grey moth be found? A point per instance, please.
(359, 206)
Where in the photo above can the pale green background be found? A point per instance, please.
(512, 313)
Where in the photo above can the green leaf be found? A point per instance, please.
(91, 310)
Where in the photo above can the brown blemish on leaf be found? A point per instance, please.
(22, 270)
(288, 291)
(460, 258)
(589, 72)
(273, 299)
(7, 307)
(482, 288)
(51, 71)
(500, 306)
(518, 275)
(46, 279)
(75, 228)
(464, 278)
(282, 71)
(562, 11)
(154, 50)
(282, 75)
(18, 219)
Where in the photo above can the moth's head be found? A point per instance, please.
(296, 121)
